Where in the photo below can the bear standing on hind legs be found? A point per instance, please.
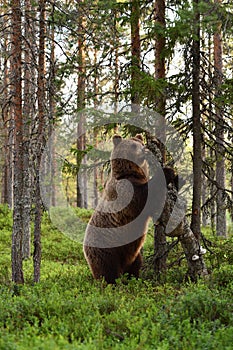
(116, 231)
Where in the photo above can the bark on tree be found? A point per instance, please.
(17, 234)
(40, 141)
(231, 212)
(197, 132)
(159, 54)
(95, 135)
(81, 141)
(27, 115)
(174, 223)
(221, 229)
(135, 53)
(192, 249)
(52, 110)
(4, 189)
(212, 195)
(116, 64)
(160, 244)
(204, 191)
(8, 124)
(95, 173)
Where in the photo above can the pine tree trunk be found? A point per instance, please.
(197, 132)
(17, 235)
(210, 153)
(84, 175)
(27, 113)
(231, 212)
(116, 65)
(160, 244)
(204, 192)
(52, 112)
(212, 195)
(159, 54)
(135, 53)
(37, 230)
(95, 173)
(190, 245)
(194, 258)
(7, 175)
(40, 141)
(4, 192)
(95, 137)
(81, 141)
(220, 163)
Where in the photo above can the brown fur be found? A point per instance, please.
(114, 239)
(116, 231)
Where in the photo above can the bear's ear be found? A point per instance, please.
(116, 139)
(139, 136)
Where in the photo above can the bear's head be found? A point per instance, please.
(128, 159)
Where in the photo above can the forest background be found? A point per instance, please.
(59, 59)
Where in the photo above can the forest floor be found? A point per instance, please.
(69, 310)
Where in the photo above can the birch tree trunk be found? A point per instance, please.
(17, 235)
(219, 129)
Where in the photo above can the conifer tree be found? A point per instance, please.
(17, 234)
(219, 130)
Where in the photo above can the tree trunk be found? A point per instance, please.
(116, 64)
(81, 141)
(231, 212)
(197, 136)
(160, 244)
(212, 195)
(5, 116)
(40, 141)
(192, 249)
(135, 53)
(52, 112)
(95, 173)
(37, 230)
(219, 129)
(7, 112)
(204, 192)
(27, 114)
(159, 55)
(193, 253)
(17, 235)
(95, 136)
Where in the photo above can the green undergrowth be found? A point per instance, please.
(69, 310)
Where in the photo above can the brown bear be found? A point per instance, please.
(116, 231)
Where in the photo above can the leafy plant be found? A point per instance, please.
(69, 310)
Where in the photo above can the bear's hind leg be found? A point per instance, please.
(134, 268)
(110, 276)
(107, 271)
